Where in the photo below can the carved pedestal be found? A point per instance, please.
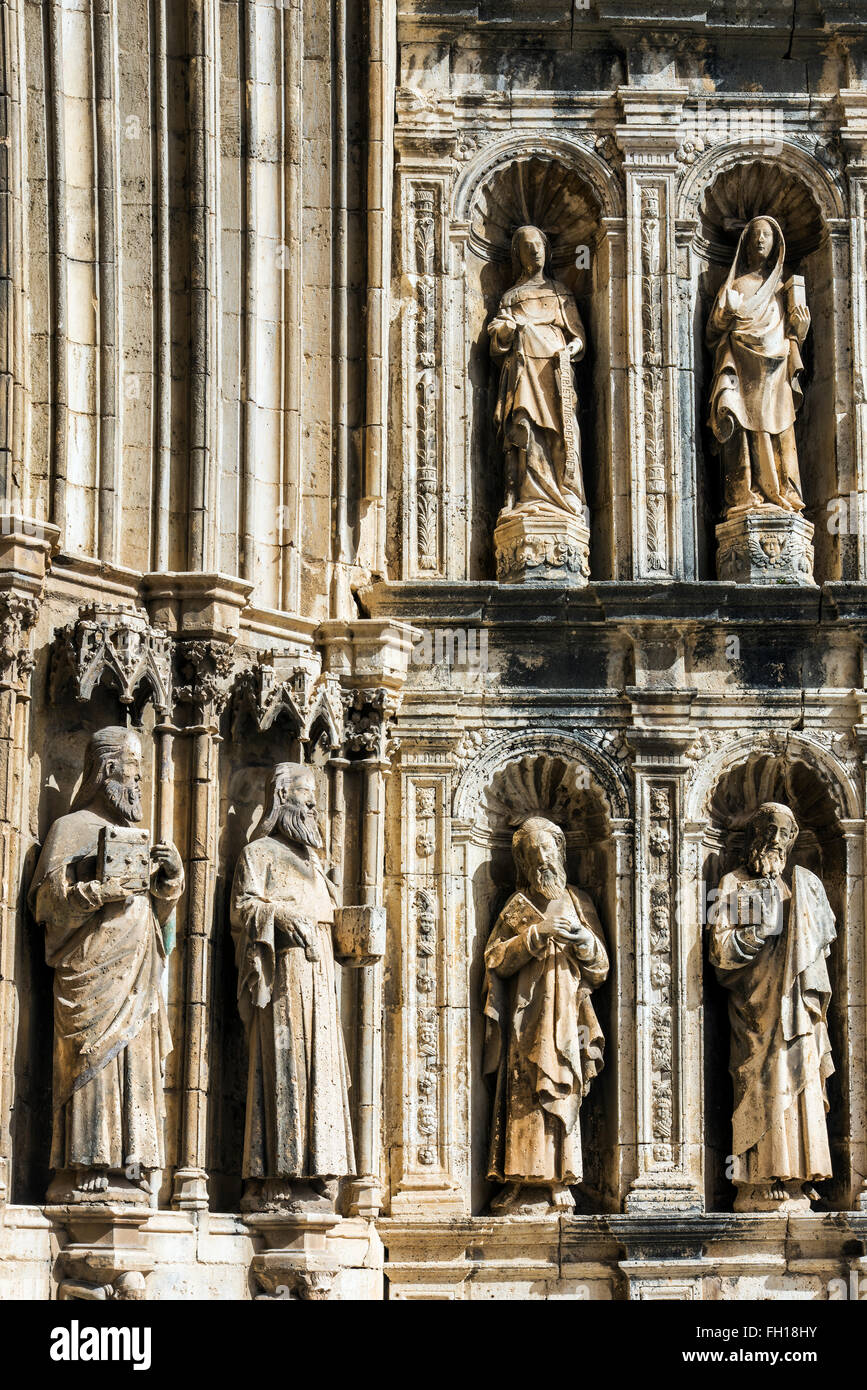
(766, 547)
(542, 549)
(107, 1255)
(296, 1262)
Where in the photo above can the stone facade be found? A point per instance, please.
(252, 474)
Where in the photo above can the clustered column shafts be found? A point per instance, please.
(203, 119)
(59, 287)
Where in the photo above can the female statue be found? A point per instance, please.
(536, 334)
(756, 329)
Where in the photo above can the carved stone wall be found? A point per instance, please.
(248, 258)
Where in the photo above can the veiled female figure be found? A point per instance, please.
(536, 335)
(756, 331)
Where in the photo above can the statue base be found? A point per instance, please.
(542, 548)
(767, 546)
(296, 1262)
(106, 1256)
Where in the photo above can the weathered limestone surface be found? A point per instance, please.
(301, 469)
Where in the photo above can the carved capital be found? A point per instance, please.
(203, 672)
(18, 613)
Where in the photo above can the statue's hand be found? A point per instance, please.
(576, 347)
(562, 930)
(115, 890)
(799, 321)
(167, 859)
(734, 300)
(297, 931)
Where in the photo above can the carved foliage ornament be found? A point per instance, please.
(18, 614)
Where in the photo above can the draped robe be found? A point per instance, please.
(755, 392)
(111, 1035)
(298, 1121)
(543, 1042)
(780, 1051)
(532, 326)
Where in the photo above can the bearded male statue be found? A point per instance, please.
(771, 934)
(543, 1042)
(298, 1135)
(103, 895)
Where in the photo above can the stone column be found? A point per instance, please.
(667, 1017)
(428, 1003)
(25, 550)
(202, 613)
(649, 137)
(371, 658)
(854, 137)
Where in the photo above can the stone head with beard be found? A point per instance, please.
(539, 851)
(773, 831)
(290, 806)
(112, 775)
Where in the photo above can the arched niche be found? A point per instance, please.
(572, 197)
(247, 756)
(727, 188)
(573, 786)
(830, 845)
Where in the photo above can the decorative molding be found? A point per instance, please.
(660, 860)
(117, 646)
(605, 776)
(424, 266)
(656, 491)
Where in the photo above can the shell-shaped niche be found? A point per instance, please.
(543, 193)
(540, 785)
(773, 777)
(759, 188)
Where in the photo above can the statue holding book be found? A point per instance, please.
(543, 1044)
(103, 894)
(756, 329)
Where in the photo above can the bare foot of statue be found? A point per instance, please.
(506, 1198)
(326, 1188)
(812, 1195)
(92, 1179)
(777, 1190)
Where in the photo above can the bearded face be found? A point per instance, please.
(549, 881)
(297, 820)
(544, 868)
(769, 850)
(124, 798)
(121, 787)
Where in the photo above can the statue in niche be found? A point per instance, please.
(770, 936)
(544, 957)
(103, 894)
(756, 330)
(536, 336)
(298, 1135)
